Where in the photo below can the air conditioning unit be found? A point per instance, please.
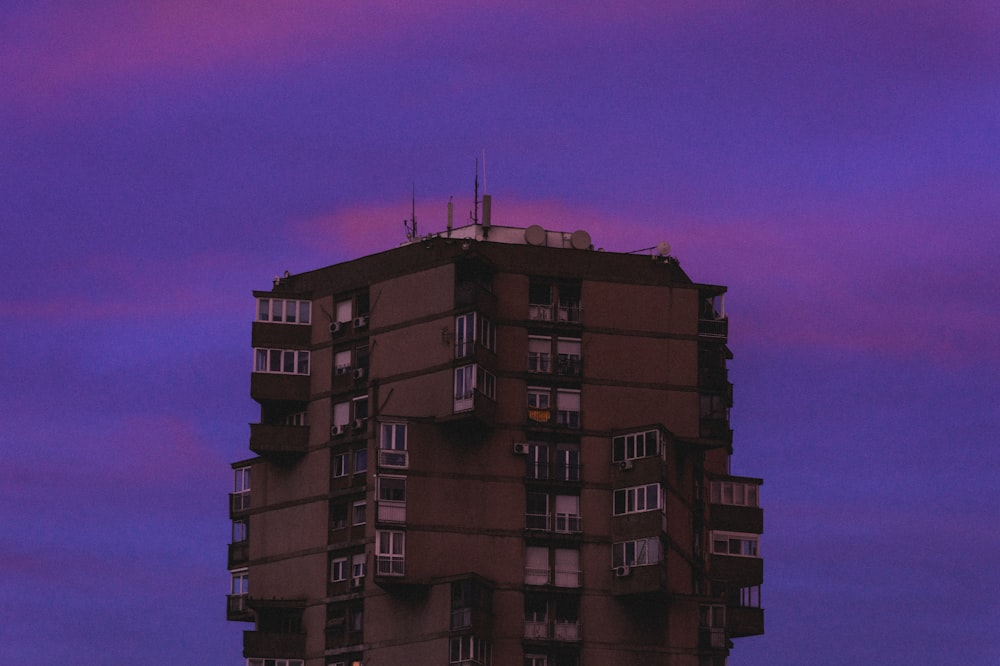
(626, 465)
(521, 449)
(357, 583)
(623, 571)
(361, 322)
(359, 423)
(337, 430)
(336, 327)
(342, 369)
(359, 373)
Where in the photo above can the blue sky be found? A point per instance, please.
(836, 166)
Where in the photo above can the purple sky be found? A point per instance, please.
(838, 168)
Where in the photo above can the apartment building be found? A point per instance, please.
(493, 445)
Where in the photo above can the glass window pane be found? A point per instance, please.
(305, 312)
(277, 309)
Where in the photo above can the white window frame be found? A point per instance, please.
(637, 499)
(359, 508)
(338, 570)
(746, 545)
(569, 356)
(275, 311)
(358, 567)
(274, 361)
(390, 552)
(539, 353)
(637, 552)
(566, 401)
(735, 493)
(635, 445)
(341, 465)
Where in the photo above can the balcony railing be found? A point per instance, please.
(713, 328)
(237, 608)
(542, 471)
(570, 419)
(239, 501)
(569, 312)
(566, 631)
(536, 521)
(540, 311)
(539, 362)
(569, 364)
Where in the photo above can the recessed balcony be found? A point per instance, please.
(269, 643)
(266, 386)
(735, 570)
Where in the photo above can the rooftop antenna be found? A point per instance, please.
(475, 198)
(411, 224)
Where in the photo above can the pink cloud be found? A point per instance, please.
(870, 285)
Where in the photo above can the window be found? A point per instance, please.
(553, 301)
(539, 404)
(357, 619)
(470, 649)
(240, 499)
(568, 405)
(360, 406)
(392, 488)
(635, 445)
(637, 498)
(341, 416)
(567, 462)
(338, 570)
(358, 513)
(282, 361)
(537, 461)
(284, 311)
(468, 379)
(344, 311)
(568, 513)
(736, 543)
(239, 582)
(240, 530)
(568, 359)
(537, 511)
(390, 553)
(735, 493)
(637, 553)
(562, 563)
(712, 615)
(340, 464)
(296, 419)
(338, 516)
(360, 460)
(471, 328)
(342, 362)
(536, 660)
(539, 354)
(392, 499)
(393, 436)
(539, 300)
(468, 596)
(568, 309)
(358, 566)
(714, 407)
(274, 662)
(538, 514)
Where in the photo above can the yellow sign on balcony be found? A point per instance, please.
(540, 415)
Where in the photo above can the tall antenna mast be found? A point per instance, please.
(475, 198)
(411, 224)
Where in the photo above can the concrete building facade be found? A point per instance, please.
(493, 446)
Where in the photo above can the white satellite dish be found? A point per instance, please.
(663, 249)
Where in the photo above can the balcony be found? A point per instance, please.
(569, 365)
(391, 511)
(271, 334)
(569, 632)
(735, 570)
(269, 643)
(265, 386)
(737, 518)
(237, 609)
(473, 413)
(556, 471)
(390, 565)
(556, 577)
(715, 427)
(239, 554)
(743, 621)
(717, 328)
(278, 440)
(639, 580)
(712, 637)
(239, 502)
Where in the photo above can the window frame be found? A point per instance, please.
(299, 307)
(633, 497)
(265, 358)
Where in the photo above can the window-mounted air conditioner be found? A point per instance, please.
(623, 571)
(336, 327)
(361, 322)
(337, 430)
(521, 449)
(359, 373)
(359, 423)
(342, 369)
(626, 465)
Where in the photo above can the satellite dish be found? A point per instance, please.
(663, 248)
(534, 235)
(580, 240)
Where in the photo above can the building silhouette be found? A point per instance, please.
(493, 446)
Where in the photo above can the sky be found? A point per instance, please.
(837, 165)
